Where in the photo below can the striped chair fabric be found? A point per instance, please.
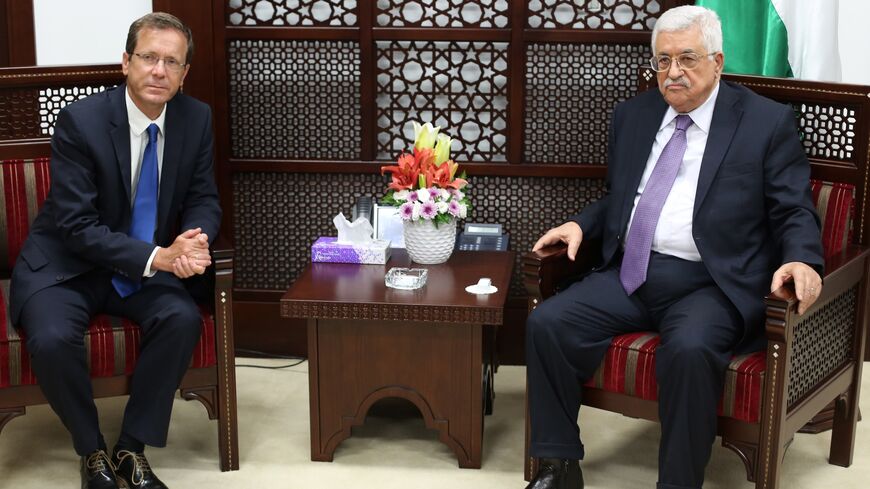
(629, 366)
(112, 343)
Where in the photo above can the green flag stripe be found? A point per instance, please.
(755, 41)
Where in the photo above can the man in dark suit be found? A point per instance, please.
(707, 208)
(129, 168)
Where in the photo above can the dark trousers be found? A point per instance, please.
(55, 321)
(568, 335)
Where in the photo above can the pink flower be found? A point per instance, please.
(428, 210)
(453, 208)
(406, 210)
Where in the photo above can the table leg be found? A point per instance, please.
(438, 367)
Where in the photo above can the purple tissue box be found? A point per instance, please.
(327, 249)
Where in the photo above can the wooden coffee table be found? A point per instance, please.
(367, 342)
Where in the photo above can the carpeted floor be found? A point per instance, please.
(393, 449)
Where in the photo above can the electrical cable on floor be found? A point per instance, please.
(262, 354)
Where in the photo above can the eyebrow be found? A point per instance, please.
(685, 51)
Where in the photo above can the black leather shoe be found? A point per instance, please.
(557, 474)
(134, 471)
(97, 471)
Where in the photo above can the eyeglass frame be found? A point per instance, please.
(653, 61)
(168, 67)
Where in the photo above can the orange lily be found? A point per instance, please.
(404, 174)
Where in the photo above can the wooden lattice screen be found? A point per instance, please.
(320, 93)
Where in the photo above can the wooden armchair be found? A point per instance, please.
(112, 342)
(811, 360)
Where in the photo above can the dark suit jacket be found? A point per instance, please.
(83, 223)
(753, 207)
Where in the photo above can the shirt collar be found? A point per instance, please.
(701, 116)
(139, 122)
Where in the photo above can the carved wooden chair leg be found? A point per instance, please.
(228, 431)
(207, 396)
(843, 434)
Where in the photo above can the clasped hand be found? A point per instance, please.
(187, 256)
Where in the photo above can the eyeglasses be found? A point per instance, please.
(685, 61)
(170, 64)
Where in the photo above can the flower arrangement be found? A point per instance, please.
(424, 183)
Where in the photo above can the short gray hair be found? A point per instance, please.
(159, 20)
(688, 16)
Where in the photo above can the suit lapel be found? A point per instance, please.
(121, 136)
(726, 116)
(646, 126)
(174, 134)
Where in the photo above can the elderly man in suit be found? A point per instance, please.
(128, 166)
(707, 208)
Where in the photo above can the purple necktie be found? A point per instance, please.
(639, 240)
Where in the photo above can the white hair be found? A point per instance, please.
(688, 16)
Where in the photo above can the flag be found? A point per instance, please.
(785, 38)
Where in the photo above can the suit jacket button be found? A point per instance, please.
(59, 278)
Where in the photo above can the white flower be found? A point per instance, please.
(401, 195)
(423, 195)
(463, 211)
(425, 136)
(445, 194)
(416, 214)
(442, 207)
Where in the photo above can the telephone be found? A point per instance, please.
(482, 237)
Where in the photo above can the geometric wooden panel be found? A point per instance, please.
(279, 215)
(295, 99)
(522, 206)
(594, 14)
(29, 113)
(293, 13)
(443, 13)
(827, 131)
(822, 344)
(571, 90)
(460, 86)
(51, 100)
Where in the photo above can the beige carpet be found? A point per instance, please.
(394, 451)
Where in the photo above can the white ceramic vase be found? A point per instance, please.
(427, 244)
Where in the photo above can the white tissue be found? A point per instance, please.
(357, 232)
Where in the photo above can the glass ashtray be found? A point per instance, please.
(405, 278)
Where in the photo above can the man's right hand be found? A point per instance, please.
(188, 255)
(568, 233)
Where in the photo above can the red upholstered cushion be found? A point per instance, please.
(835, 205)
(25, 186)
(112, 344)
(629, 368)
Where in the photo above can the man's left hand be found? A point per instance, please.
(807, 283)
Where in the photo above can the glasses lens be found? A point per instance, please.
(688, 61)
(660, 63)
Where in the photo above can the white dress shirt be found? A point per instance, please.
(673, 235)
(139, 123)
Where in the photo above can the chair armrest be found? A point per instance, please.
(222, 250)
(222, 257)
(843, 271)
(820, 347)
(545, 269)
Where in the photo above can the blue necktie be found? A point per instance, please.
(144, 218)
(646, 217)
